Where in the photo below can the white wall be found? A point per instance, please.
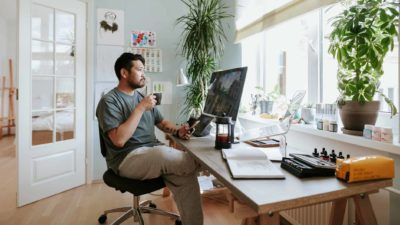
(3, 45)
(8, 50)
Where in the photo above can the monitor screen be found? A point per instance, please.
(225, 92)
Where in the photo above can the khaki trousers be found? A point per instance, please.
(179, 171)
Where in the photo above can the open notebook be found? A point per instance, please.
(250, 163)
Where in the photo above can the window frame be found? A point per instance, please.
(315, 76)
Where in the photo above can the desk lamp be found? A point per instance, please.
(181, 79)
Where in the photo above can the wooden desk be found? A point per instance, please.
(260, 201)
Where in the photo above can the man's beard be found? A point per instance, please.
(134, 85)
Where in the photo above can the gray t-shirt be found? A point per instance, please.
(113, 109)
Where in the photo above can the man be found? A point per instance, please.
(127, 120)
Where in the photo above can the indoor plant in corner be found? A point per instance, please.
(362, 35)
(202, 45)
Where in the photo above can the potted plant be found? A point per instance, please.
(362, 35)
(266, 101)
(308, 113)
(202, 46)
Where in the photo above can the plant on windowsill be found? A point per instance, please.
(202, 46)
(308, 113)
(266, 101)
(362, 35)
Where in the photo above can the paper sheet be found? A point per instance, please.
(205, 183)
(110, 27)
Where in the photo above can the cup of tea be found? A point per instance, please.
(158, 97)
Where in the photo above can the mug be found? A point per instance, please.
(158, 98)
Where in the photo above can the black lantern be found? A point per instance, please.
(224, 132)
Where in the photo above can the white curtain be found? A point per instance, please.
(254, 16)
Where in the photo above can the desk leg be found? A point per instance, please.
(364, 213)
(337, 212)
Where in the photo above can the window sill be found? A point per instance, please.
(249, 120)
(393, 148)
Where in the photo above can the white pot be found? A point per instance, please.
(307, 114)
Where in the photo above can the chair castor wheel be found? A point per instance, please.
(152, 205)
(102, 219)
(178, 222)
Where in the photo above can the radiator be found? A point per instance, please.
(310, 215)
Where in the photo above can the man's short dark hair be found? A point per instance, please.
(125, 62)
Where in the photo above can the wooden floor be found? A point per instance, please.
(84, 204)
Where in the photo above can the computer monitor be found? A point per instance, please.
(224, 92)
(224, 95)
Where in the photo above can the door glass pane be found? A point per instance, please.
(42, 93)
(42, 23)
(42, 58)
(42, 127)
(65, 125)
(65, 60)
(65, 27)
(65, 92)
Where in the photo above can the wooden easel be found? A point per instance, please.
(11, 114)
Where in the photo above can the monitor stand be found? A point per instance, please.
(233, 140)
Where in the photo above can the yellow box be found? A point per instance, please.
(364, 168)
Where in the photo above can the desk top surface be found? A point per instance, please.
(264, 195)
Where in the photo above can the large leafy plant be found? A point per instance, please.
(363, 33)
(202, 45)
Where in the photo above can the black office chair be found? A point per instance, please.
(137, 188)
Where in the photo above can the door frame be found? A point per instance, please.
(90, 137)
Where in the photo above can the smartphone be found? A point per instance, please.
(191, 128)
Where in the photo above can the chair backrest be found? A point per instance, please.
(102, 143)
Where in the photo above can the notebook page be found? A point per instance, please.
(244, 153)
(254, 169)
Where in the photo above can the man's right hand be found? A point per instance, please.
(148, 102)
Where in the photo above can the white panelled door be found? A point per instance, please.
(51, 106)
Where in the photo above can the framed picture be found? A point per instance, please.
(141, 39)
(110, 27)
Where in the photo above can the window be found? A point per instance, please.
(294, 55)
(285, 55)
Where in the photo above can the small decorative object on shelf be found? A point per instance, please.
(387, 135)
(367, 133)
(307, 114)
(382, 134)
(376, 134)
(326, 117)
(333, 126)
